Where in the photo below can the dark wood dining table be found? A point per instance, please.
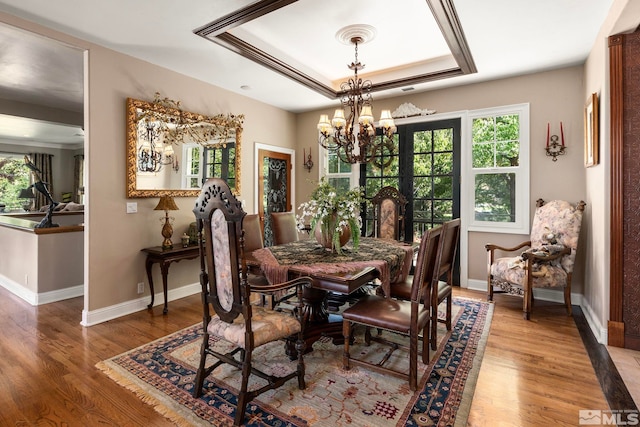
(387, 260)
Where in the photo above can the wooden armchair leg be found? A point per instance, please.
(567, 300)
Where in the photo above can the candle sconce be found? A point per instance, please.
(553, 147)
(307, 163)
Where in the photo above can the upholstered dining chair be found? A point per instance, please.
(389, 206)
(225, 288)
(443, 287)
(253, 239)
(548, 261)
(285, 229)
(410, 318)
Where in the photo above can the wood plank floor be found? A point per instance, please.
(533, 373)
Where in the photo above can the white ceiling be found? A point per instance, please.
(504, 37)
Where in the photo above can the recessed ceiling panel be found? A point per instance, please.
(414, 36)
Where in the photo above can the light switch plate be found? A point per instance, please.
(132, 207)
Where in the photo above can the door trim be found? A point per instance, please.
(260, 146)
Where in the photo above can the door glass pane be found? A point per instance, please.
(274, 194)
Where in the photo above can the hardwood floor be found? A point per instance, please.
(533, 373)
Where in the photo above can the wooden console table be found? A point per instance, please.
(165, 257)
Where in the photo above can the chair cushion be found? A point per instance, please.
(267, 326)
(444, 290)
(511, 270)
(386, 313)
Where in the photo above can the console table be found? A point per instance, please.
(165, 257)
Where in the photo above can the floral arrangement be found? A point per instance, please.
(333, 211)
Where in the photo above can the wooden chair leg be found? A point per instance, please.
(567, 300)
(346, 333)
(197, 391)
(242, 394)
(425, 344)
(413, 360)
(300, 347)
(449, 310)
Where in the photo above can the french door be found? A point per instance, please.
(425, 168)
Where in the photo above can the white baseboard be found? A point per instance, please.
(34, 298)
(90, 318)
(556, 295)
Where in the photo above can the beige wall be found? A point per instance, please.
(114, 238)
(623, 17)
(553, 96)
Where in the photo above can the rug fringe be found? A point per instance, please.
(160, 407)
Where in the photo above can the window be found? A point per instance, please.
(201, 163)
(498, 167)
(14, 176)
(219, 161)
(338, 173)
(191, 171)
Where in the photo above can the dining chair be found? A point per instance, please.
(409, 318)
(253, 240)
(225, 288)
(389, 206)
(285, 229)
(443, 286)
(252, 233)
(548, 261)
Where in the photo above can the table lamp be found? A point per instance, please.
(26, 193)
(166, 204)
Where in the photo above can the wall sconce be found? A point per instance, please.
(553, 147)
(307, 163)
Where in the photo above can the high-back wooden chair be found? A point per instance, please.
(389, 206)
(225, 288)
(443, 287)
(285, 229)
(548, 263)
(408, 318)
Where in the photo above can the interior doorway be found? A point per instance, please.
(275, 185)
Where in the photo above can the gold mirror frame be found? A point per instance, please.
(160, 110)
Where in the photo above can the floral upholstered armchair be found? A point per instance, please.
(548, 261)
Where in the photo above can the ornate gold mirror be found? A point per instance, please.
(171, 151)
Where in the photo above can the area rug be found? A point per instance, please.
(162, 374)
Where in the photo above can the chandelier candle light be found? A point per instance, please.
(353, 137)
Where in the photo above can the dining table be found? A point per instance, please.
(388, 261)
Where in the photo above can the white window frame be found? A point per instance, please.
(353, 175)
(522, 172)
(186, 159)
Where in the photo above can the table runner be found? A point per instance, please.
(392, 259)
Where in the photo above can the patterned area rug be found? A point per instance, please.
(162, 374)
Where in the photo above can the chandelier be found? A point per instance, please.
(153, 154)
(353, 137)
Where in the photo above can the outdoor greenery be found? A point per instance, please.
(496, 146)
(14, 176)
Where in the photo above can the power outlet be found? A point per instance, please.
(141, 287)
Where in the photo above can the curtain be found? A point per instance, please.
(43, 162)
(78, 178)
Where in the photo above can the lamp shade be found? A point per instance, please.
(166, 203)
(26, 193)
